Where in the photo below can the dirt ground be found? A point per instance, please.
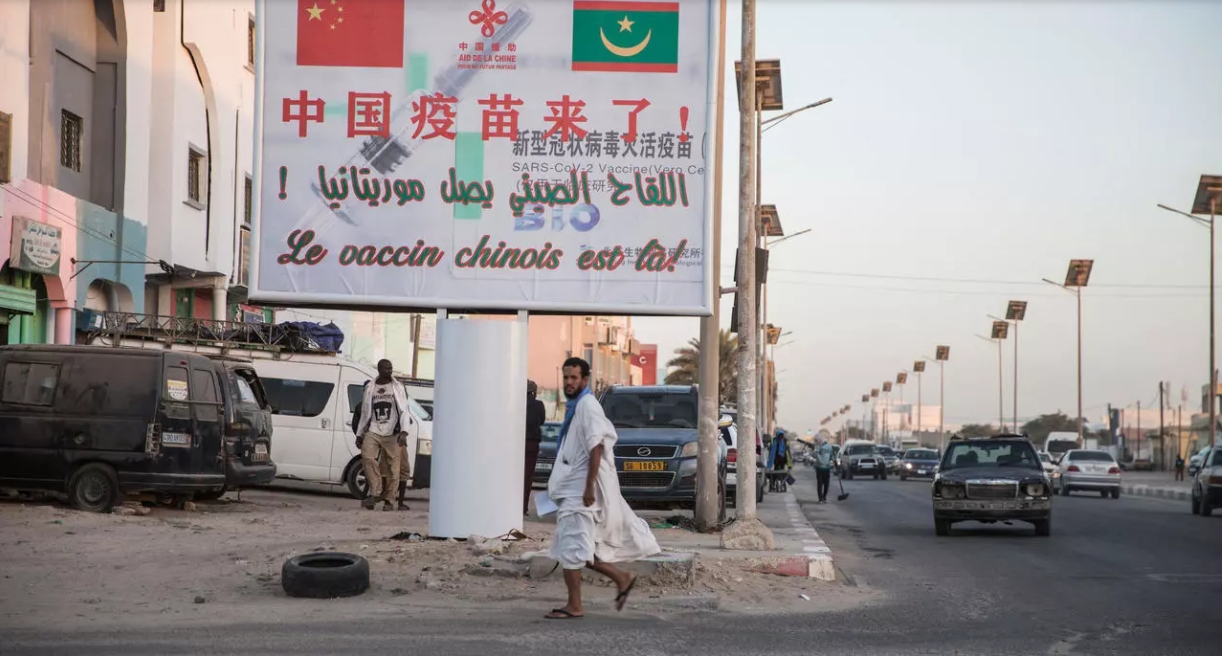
(221, 563)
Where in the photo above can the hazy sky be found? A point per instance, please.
(988, 142)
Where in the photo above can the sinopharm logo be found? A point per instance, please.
(640, 37)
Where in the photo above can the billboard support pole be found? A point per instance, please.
(485, 361)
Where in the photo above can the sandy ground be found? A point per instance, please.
(221, 563)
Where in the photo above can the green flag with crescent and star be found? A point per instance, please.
(640, 37)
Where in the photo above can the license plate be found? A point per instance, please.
(544, 467)
(648, 466)
(867, 466)
(176, 439)
(922, 472)
(260, 453)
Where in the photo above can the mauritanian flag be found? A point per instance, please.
(610, 35)
(365, 33)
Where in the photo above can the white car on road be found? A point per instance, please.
(1090, 469)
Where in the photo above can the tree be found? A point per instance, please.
(977, 430)
(1037, 430)
(685, 366)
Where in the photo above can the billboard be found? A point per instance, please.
(545, 155)
(647, 360)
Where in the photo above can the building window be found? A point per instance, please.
(250, 43)
(195, 177)
(71, 131)
(248, 203)
(158, 5)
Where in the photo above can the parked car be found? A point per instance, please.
(655, 455)
(547, 452)
(919, 462)
(729, 436)
(313, 399)
(860, 458)
(1090, 469)
(1194, 462)
(891, 458)
(1050, 468)
(1207, 484)
(96, 423)
(248, 428)
(991, 480)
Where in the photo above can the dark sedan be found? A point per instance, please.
(919, 463)
(547, 452)
(991, 480)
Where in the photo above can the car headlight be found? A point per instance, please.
(952, 491)
(1036, 490)
(690, 449)
(424, 447)
(909, 465)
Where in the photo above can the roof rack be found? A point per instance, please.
(220, 334)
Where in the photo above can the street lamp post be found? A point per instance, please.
(1207, 201)
(900, 379)
(1015, 312)
(942, 355)
(1000, 329)
(1075, 279)
(919, 368)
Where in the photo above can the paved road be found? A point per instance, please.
(1128, 576)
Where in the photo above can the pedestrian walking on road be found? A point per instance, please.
(1179, 467)
(823, 469)
(595, 527)
(384, 420)
(536, 415)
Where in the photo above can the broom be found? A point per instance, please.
(843, 495)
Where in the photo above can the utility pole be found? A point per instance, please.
(1138, 455)
(416, 319)
(1162, 436)
(708, 507)
(747, 532)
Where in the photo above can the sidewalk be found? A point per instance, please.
(1156, 484)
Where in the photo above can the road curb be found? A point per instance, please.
(1145, 490)
(816, 560)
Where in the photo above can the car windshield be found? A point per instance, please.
(1085, 455)
(921, 455)
(551, 432)
(857, 450)
(635, 410)
(990, 453)
(886, 451)
(1045, 457)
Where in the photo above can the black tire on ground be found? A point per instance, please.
(358, 487)
(94, 487)
(721, 509)
(325, 575)
(1196, 504)
(941, 527)
(1065, 491)
(905, 478)
(1102, 493)
(212, 495)
(1206, 507)
(1043, 527)
(1116, 493)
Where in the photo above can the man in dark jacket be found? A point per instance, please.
(536, 415)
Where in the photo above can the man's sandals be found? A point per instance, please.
(621, 599)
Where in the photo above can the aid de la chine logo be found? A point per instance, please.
(493, 49)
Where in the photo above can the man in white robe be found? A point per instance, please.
(595, 527)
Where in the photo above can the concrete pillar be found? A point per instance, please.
(63, 326)
(165, 300)
(220, 303)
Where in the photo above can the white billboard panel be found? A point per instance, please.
(551, 155)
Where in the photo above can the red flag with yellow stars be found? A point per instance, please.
(350, 33)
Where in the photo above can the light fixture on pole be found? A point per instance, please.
(1075, 279)
(900, 379)
(1207, 201)
(1000, 330)
(1016, 311)
(919, 368)
(865, 402)
(886, 437)
(942, 354)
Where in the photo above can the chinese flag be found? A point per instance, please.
(350, 33)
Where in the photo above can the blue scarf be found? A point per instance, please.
(570, 408)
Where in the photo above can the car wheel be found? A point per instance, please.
(905, 478)
(721, 510)
(1196, 504)
(1043, 527)
(1065, 491)
(1102, 493)
(1116, 493)
(325, 575)
(1206, 507)
(358, 486)
(94, 487)
(884, 477)
(941, 527)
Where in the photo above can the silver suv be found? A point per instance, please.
(861, 458)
